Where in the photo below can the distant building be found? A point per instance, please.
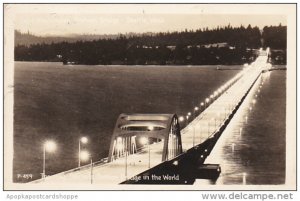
(218, 45)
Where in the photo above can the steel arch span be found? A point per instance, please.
(133, 132)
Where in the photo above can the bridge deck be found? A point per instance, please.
(201, 128)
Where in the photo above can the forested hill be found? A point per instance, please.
(28, 38)
(223, 45)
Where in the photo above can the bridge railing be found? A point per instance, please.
(104, 161)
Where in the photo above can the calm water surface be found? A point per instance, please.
(252, 149)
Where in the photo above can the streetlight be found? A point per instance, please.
(206, 102)
(92, 165)
(150, 128)
(84, 155)
(126, 155)
(201, 104)
(145, 141)
(216, 94)
(188, 115)
(195, 110)
(244, 178)
(83, 140)
(181, 119)
(49, 146)
(119, 146)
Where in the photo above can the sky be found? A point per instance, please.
(114, 19)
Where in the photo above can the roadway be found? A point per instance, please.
(223, 101)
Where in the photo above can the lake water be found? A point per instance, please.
(252, 149)
(62, 103)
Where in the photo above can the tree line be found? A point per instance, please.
(222, 45)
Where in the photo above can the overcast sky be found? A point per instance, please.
(114, 19)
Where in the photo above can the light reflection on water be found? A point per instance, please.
(252, 148)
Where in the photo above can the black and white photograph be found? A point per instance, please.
(149, 96)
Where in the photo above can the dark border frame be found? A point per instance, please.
(3, 54)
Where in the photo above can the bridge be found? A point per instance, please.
(146, 147)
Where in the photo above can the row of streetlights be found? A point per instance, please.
(252, 104)
(50, 147)
(203, 105)
(250, 108)
(207, 101)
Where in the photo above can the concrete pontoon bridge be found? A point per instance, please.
(143, 144)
